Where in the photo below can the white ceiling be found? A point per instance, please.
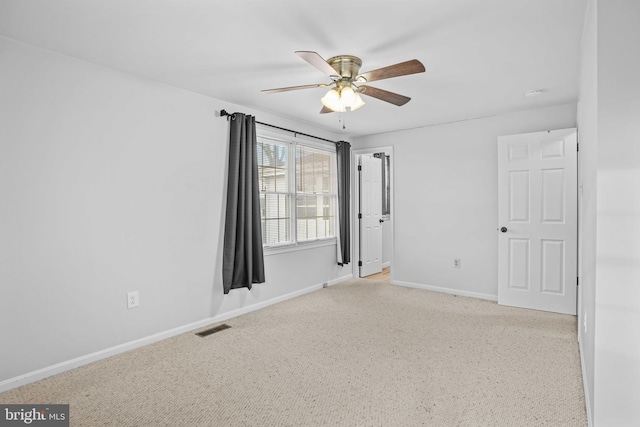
(480, 55)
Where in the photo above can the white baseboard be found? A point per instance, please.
(446, 290)
(253, 307)
(67, 365)
(585, 384)
(31, 377)
(386, 264)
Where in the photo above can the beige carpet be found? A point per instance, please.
(360, 353)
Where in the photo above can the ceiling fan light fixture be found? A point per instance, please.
(333, 100)
(341, 99)
(346, 80)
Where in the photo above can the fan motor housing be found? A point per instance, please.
(347, 66)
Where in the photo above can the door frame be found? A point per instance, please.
(355, 197)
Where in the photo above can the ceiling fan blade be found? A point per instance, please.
(402, 69)
(384, 95)
(326, 110)
(286, 89)
(317, 61)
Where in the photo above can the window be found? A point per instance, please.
(315, 197)
(275, 196)
(386, 186)
(298, 191)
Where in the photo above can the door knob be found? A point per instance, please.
(503, 229)
(381, 221)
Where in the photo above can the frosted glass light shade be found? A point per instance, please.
(347, 96)
(332, 97)
(332, 100)
(357, 103)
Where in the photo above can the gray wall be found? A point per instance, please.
(446, 204)
(111, 183)
(587, 199)
(610, 133)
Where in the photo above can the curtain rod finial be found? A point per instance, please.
(224, 113)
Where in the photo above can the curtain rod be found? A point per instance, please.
(224, 113)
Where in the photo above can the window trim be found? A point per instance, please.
(292, 142)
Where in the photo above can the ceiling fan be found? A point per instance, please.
(347, 84)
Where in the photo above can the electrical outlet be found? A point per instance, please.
(456, 263)
(133, 299)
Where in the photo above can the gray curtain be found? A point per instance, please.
(343, 151)
(242, 260)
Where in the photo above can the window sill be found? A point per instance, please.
(275, 250)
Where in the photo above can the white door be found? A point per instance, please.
(370, 215)
(537, 228)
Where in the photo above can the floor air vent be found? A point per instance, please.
(210, 331)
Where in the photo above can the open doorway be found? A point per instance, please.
(383, 276)
(373, 213)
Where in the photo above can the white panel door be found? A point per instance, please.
(537, 244)
(371, 215)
